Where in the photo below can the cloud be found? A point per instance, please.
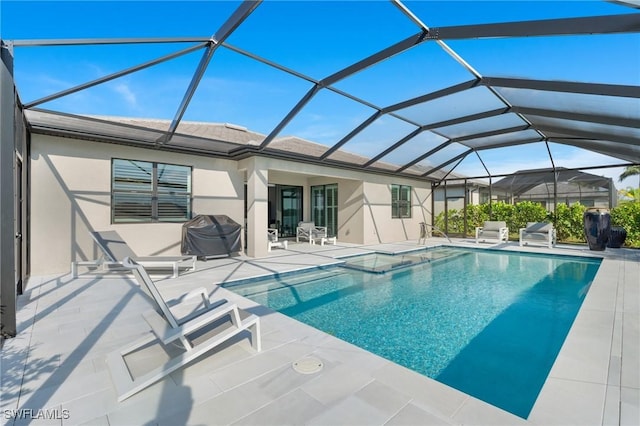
(127, 94)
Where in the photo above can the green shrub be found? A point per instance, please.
(527, 211)
(569, 220)
(502, 211)
(455, 220)
(570, 223)
(476, 215)
(627, 215)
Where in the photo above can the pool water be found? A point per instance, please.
(487, 323)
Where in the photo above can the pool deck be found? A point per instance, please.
(56, 364)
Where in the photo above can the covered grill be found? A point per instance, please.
(211, 235)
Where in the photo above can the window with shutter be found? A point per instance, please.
(400, 201)
(143, 191)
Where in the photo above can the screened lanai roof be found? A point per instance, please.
(524, 181)
(424, 89)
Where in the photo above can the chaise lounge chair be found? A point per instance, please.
(493, 230)
(210, 326)
(538, 232)
(115, 250)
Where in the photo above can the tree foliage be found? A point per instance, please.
(627, 215)
(630, 171)
(629, 195)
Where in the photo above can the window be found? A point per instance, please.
(400, 201)
(143, 191)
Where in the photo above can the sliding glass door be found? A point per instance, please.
(291, 209)
(324, 207)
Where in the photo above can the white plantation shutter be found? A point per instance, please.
(173, 193)
(150, 192)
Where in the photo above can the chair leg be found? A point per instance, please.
(256, 340)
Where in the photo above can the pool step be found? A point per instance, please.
(380, 263)
(437, 255)
(273, 283)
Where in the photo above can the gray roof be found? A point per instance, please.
(217, 139)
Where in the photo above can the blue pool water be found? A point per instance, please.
(485, 322)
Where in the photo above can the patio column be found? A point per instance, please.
(257, 207)
(7, 207)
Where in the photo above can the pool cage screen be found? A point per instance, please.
(546, 187)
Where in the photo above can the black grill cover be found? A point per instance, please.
(215, 235)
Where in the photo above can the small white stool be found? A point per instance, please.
(279, 244)
(330, 240)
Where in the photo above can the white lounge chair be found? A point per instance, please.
(493, 230)
(312, 233)
(115, 250)
(273, 241)
(538, 232)
(210, 326)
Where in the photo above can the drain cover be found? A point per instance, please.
(308, 365)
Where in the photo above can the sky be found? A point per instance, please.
(316, 39)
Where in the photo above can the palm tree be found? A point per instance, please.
(630, 194)
(631, 171)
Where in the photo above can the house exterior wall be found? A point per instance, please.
(71, 196)
(364, 212)
(379, 226)
(350, 207)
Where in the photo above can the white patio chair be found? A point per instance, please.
(115, 250)
(212, 324)
(538, 232)
(273, 241)
(492, 230)
(310, 232)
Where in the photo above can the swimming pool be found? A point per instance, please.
(488, 323)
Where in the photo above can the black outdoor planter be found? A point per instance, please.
(617, 236)
(597, 227)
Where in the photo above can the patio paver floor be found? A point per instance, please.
(67, 326)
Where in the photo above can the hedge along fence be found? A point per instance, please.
(568, 221)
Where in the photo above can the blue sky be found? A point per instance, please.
(315, 39)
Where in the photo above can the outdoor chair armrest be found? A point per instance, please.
(319, 231)
(167, 334)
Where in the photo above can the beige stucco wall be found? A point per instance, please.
(70, 195)
(71, 184)
(364, 214)
(379, 227)
(350, 207)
